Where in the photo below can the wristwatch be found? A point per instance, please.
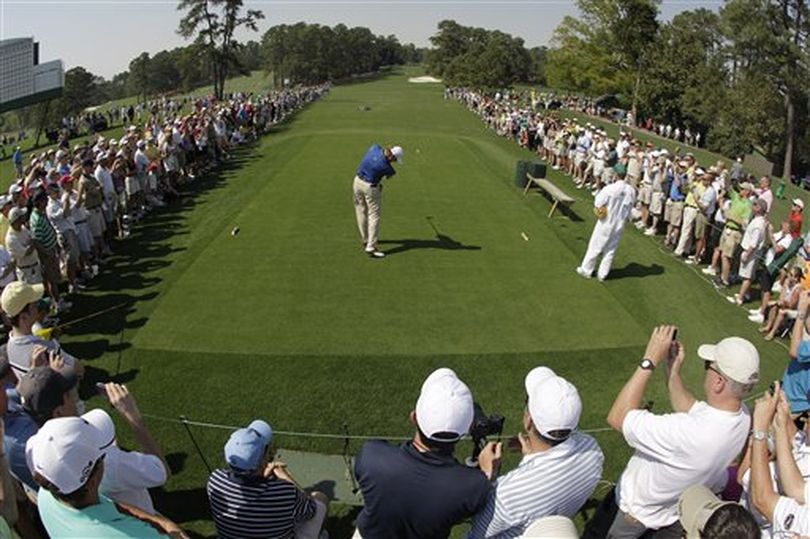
(647, 364)
(759, 435)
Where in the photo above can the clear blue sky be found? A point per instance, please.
(104, 35)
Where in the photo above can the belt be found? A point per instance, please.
(734, 226)
(80, 222)
(35, 264)
(692, 206)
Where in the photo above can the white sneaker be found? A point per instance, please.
(649, 232)
(735, 299)
(757, 318)
(754, 311)
(374, 253)
(640, 225)
(583, 273)
(690, 261)
(709, 271)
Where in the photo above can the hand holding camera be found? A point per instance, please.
(659, 347)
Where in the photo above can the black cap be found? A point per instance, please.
(88, 162)
(43, 390)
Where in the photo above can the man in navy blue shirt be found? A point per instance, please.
(418, 490)
(375, 166)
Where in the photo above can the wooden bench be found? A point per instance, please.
(556, 194)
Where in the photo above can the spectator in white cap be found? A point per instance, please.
(704, 516)
(21, 246)
(66, 457)
(418, 490)
(693, 445)
(257, 496)
(560, 467)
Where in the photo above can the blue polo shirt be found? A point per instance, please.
(19, 427)
(375, 166)
(414, 495)
(675, 190)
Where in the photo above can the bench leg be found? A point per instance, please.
(553, 207)
(526, 189)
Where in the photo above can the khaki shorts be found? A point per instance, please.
(729, 240)
(673, 212)
(656, 202)
(49, 264)
(95, 221)
(645, 194)
(701, 224)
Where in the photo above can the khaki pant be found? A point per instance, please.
(367, 199)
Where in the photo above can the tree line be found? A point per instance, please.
(738, 75)
(481, 58)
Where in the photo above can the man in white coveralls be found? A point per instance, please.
(612, 206)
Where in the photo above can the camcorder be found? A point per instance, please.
(483, 426)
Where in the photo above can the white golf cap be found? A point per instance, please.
(16, 213)
(696, 506)
(554, 402)
(798, 202)
(15, 189)
(398, 152)
(65, 451)
(734, 357)
(556, 526)
(445, 406)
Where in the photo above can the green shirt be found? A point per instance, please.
(740, 209)
(42, 230)
(100, 520)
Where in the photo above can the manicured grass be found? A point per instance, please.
(290, 321)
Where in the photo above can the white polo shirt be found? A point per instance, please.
(674, 452)
(127, 475)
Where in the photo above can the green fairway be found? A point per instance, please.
(290, 321)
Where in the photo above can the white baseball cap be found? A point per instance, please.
(556, 526)
(445, 406)
(734, 357)
(398, 152)
(17, 294)
(798, 202)
(554, 402)
(65, 451)
(696, 506)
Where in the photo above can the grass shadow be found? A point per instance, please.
(634, 270)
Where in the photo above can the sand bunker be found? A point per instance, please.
(421, 80)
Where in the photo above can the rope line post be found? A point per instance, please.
(184, 421)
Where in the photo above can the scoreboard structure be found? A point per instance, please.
(24, 80)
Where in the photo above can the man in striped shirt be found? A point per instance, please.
(257, 497)
(560, 467)
(44, 237)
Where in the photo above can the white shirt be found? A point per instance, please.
(5, 261)
(127, 475)
(105, 180)
(17, 243)
(20, 347)
(790, 519)
(56, 215)
(141, 161)
(674, 452)
(553, 482)
(754, 236)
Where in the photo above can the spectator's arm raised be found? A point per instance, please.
(789, 474)
(798, 327)
(631, 395)
(762, 493)
(679, 397)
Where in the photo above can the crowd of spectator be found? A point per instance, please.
(59, 221)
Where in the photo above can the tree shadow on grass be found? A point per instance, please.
(634, 270)
(442, 241)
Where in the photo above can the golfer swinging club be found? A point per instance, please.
(375, 166)
(612, 207)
